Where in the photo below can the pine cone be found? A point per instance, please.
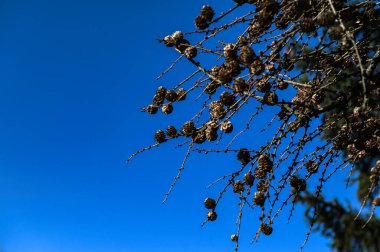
(211, 216)
(171, 96)
(188, 128)
(226, 127)
(167, 109)
(171, 131)
(259, 198)
(207, 12)
(201, 22)
(247, 55)
(191, 52)
(159, 136)
(266, 229)
(161, 91)
(238, 186)
(227, 99)
(234, 238)
(243, 156)
(249, 179)
(240, 86)
(151, 109)
(181, 94)
(262, 186)
(210, 203)
(264, 163)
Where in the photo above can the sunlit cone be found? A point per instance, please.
(234, 238)
(169, 41)
(177, 36)
(226, 127)
(240, 86)
(211, 216)
(259, 198)
(191, 52)
(229, 51)
(167, 109)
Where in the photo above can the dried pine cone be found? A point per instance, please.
(161, 91)
(207, 12)
(259, 198)
(257, 67)
(171, 96)
(211, 132)
(199, 137)
(159, 136)
(177, 36)
(243, 156)
(240, 86)
(211, 88)
(181, 94)
(201, 22)
(227, 99)
(151, 109)
(182, 45)
(210, 203)
(171, 131)
(229, 52)
(226, 127)
(191, 52)
(167, 109)
(158, 100)
(216, 110)
(234, 238)
(188, 128)
(249, 179)
(169, 41)
(264, 163)
(262, 186)
(238, 186)
(260, 173)
(246, 55)
(266, 229)
(211, 216)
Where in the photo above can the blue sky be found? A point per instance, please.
(73, 77)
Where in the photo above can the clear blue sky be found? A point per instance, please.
(73, 76)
